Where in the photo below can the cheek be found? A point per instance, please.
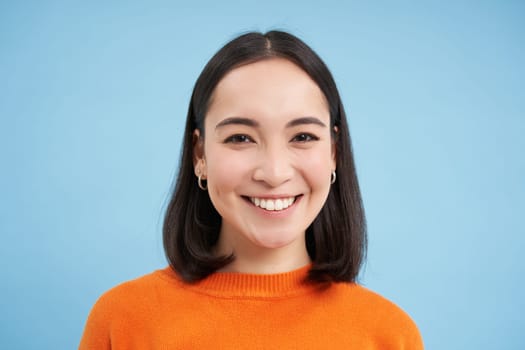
(318, 167)
(226, 171)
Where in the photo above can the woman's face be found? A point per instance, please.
(267, 155)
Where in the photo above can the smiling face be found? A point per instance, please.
(267, 156)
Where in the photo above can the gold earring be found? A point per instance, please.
(199, 182)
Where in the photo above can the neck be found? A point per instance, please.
(250, 258)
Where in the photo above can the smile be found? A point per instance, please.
(273, 204)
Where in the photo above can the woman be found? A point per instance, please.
(265, 232)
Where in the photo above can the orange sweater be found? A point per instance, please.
(244, 311)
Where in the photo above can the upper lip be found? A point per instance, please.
(273, 196)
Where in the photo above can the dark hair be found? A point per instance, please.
(336, 240)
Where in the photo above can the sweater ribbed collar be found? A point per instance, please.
(247, 285)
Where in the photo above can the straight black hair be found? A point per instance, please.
(336, 240)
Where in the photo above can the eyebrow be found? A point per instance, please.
(305, 120)
(237, 121)
(254, 124)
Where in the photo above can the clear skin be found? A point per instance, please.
(267, 136)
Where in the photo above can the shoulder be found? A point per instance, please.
(379, 315)
(132, 296)
(141, 288)
(123, 309)
(367, 299)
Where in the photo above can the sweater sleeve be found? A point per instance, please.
(410, 336)
(402, 329)
(387, 324)
(96, 334)
(414, 341)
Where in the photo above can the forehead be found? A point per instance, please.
(271, 87)
(274, 68)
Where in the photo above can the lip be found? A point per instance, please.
(274, 196)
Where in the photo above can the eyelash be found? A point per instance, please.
(301, 138)
(306, 137)
(237, 139)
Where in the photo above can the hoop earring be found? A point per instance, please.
(333, 177)
(199, 182)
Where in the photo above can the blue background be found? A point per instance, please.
(93, 97)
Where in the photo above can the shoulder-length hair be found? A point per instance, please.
(336, 240)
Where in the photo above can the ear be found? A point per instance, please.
(199, 163)
(334, 147)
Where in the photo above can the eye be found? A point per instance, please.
(304, 137)
(238, 138)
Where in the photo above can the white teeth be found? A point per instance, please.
(271, 204)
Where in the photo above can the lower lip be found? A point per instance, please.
(275, 213)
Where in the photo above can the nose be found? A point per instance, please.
(274, 166)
